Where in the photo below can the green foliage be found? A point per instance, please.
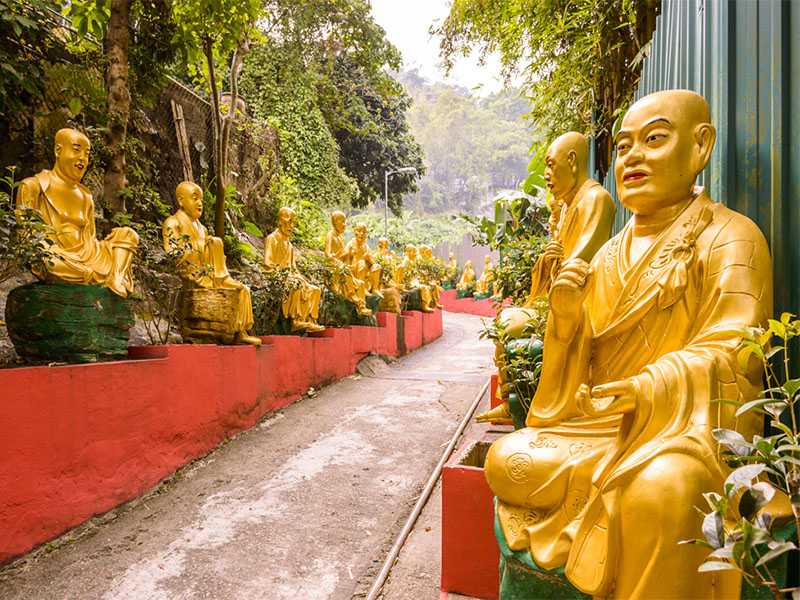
(24, 236)
(578, 58)
(513, 272)
(752, 544)
(267, 298)
(428, 270)
(515, 214)
(471, 145)
(430, 230)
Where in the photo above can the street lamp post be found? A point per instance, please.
(386, 195)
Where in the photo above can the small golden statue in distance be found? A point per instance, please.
(352, 288)
(618, 451)
(300, 305)
(426, 252)
(467, 277)
(425, 294)
(580, 223)
(67, 207)
(203, 263)
(392, 299)
(383, 249)
(482, 285)
(453, 261)
(363, 264)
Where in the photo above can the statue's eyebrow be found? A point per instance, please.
(657, 119)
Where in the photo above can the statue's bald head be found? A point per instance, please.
(187, 188)
(66, 136)
(71, 149)
(337, 216)
(286, 213)
(566, 164)
(664, 143)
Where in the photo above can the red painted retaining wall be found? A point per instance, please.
(470, 554)
(79, 440)
(451, 303)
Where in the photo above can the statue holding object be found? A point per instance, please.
(352, 287)
(300, 305)
(203, 266)
(617, 449)
(363, 264)
(467, 277)
(580, 223)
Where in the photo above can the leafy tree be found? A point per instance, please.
(214, 30)
(578, 58)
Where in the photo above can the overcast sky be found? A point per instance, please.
(407, 22)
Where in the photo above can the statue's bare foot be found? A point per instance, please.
(365, 312)
(427, 309)
(311, 327)
(378, 293)
(498, 413)
(117, 286)
(242, 337)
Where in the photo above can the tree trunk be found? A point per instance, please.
(119, 101)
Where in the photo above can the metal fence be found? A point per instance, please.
(744, 58)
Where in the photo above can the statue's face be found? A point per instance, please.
(655, 148)
(383, 244)
(558, 172)
(426, 252)
(361, 233)
(190, 199)
(452, 256)
(286, 223)
(339, 224)
(411, 252)
(468, 265)
(72, 154)
(487, 258)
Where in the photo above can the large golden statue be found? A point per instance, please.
(352, 287)
(67, 206)
(301, 304)
(482, 285)
(580, 223)
(203, 263)
(618, 450)
(361, 260)
(467, 277)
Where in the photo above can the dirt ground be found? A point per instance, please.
(304, 505)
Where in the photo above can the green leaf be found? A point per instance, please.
(752, 501)
(713, 529)
(716, 565)
(775, 552)
(777, 327)
(753, 404)
(252, 229)
(733, 440)
(75, 105)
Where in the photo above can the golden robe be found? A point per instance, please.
(89, 260)
(206, 251)
(300, 303)
(670, 323)
(352, 287)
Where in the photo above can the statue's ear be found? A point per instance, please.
(572, 159)
(704, 137)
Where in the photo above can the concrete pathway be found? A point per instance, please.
(305, 505)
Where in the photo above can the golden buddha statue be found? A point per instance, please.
(426, 252)
(425, 293)
(203, 264)
(383, 249)
(482, 285)
(352, 287)
(361, 260)
(67, 207)
(453, 261)
(467, 277)
(300, 305)
(580, 223)
(618, 450)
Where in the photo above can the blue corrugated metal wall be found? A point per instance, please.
(744, 57)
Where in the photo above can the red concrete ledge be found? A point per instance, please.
(79, 440)
(450, 303)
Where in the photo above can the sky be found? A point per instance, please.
(407, 22)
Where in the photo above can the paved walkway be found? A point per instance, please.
(305, 505)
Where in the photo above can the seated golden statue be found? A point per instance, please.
(352, 287)
(203, 264)
(300, 305)
(453, 261)
(436, 288)
(361, 260)
(425, 294)
(383, 249)
(67, 206)
(580, 223)
(467, 277)
(482, 285)
(618, 450)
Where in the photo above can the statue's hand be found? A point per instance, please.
(553, 250)
(617, 397)
(569, 290)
